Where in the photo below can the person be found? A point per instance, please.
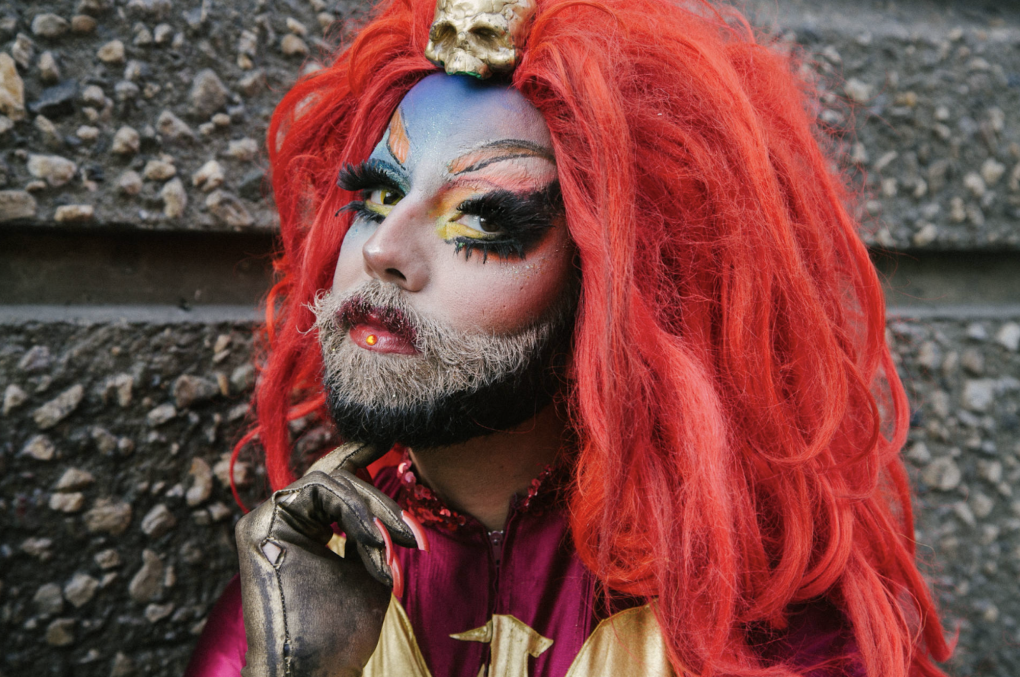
(577, 285)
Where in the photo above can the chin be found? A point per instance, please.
(458, 387)
(452, 418)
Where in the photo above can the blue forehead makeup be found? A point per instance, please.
(447, 127)
(438, 105)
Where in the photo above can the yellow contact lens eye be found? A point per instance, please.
(385, 197)
(371, 339)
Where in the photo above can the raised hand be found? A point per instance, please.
(308, 611)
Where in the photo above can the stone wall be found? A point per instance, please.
(118, 517)
(964, 456)
(132, 198)
(147, 113)
(931, 91)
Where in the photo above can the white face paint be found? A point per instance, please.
(454, 287)
(453, 145)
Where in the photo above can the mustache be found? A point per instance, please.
(375, 302)
(358, 309)
(448, 359)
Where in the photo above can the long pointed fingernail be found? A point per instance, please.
(398, 577)
(420, 537)
(396, 573)
(387, 541)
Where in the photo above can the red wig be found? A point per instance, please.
(738, 414)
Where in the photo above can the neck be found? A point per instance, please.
(480, 476)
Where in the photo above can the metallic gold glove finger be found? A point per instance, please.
(386, 509)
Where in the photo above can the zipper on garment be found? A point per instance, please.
(496, 541)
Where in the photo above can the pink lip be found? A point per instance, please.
(372, 335)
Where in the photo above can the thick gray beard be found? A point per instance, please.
(459, 386)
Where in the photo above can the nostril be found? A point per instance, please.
(396, 273)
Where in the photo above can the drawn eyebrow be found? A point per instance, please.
(497, 151)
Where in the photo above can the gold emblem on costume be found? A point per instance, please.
(626, 643)
(511, 642)
(478, 37)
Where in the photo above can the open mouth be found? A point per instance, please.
(384, 330)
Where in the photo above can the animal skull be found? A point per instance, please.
(478, 37)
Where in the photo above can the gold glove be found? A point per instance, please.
(307, 611)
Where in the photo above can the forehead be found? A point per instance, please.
(445, 116)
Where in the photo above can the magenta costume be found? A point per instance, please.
(531, 572)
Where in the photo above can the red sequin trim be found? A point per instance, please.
(430, 509)
(537, 485)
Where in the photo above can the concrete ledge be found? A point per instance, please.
(86, 315)
(967, 312)
(14, 315)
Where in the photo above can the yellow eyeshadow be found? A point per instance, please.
(452, 230)
(383, 210)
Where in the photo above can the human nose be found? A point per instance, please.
(391, 254)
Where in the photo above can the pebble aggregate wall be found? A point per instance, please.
(932, 92)
(147, 113)
(964, 455)
(118, 519)
(113, 491)
(115, 518)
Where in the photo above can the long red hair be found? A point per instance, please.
(738, 414)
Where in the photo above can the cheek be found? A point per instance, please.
(503, 297)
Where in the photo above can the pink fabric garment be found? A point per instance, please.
(458, 586)
(220, 649)
(530, 572)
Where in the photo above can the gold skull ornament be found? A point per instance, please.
(478, 37)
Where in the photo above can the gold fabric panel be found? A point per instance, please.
(397, 654)
(627, 643)
(511, 642)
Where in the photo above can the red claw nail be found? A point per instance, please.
(387, 541)
(398, 577)
(391, 559)
(420, 537)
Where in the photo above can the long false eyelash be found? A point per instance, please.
(366, 176)
(524, 218)
(360, 211)
(503, 249)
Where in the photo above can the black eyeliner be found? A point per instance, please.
(360, 211)
(364, 178)
(524, 219)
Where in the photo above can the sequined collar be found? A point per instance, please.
(421, 502)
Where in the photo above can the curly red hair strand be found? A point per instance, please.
(738, 413)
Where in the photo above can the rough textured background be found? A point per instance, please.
(117, 516)
(964, 453)
(115, 519)
(141, 96)
(933, 91)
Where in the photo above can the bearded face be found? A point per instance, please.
(455, 387)
(452, 304)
